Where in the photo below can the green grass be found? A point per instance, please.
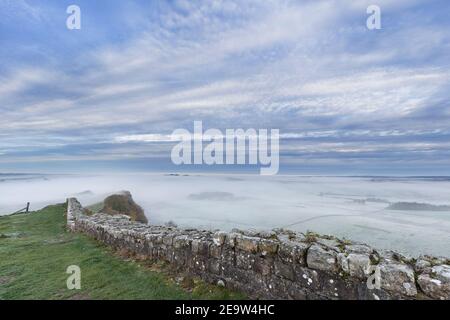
(96, 207)
(35, 251)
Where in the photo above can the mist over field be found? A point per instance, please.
(405, 214)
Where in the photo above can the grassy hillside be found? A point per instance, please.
(35, 251)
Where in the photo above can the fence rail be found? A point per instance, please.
(24, 210)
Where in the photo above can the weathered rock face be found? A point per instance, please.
(123, 204)
(279, 264)
(399, 278)
(435, 281)
(322, 258)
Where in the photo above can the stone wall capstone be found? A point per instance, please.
(279, 264)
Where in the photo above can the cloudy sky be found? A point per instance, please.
(346, 99)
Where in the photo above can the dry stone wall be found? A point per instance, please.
(279, 264)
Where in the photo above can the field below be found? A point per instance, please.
(35, 251)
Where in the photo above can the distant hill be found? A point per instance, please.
(415, 206)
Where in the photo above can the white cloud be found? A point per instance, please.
(259, 62)
(21, 8)
(22, 79)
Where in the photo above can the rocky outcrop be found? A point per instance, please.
(434, 280)
(279, 264)
(123, 204)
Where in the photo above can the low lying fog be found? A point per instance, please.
(355, 208)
